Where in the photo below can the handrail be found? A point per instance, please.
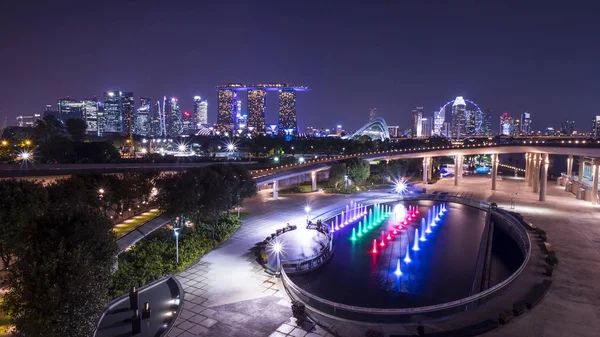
(402, 311)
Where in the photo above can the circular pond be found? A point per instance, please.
(447, 245)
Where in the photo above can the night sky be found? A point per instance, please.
(541, 57)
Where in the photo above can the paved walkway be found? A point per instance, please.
(227, 293)
(572, 307)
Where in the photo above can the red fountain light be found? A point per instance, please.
(389, 237)
(395, 231)
(406, 223)
(417, 211)
(374, 251)
(409, 219)
(382, 244)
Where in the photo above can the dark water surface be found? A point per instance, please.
(441, 271)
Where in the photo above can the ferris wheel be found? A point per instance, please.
(466, 119)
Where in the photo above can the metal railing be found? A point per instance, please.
(357, 313)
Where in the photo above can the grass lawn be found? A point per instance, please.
(129, 224)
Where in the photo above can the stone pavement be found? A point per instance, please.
(572, 307)
(227, 293)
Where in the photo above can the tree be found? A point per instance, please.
(58, 284)
(48, 127)
(76, 128)
(358, 170)
(21, 201)
(337, 174)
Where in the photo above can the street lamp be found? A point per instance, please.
(176, 233)
(307, 210)
(277, 248)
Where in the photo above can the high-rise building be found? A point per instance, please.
(417, 122)
(506, 124)
(257, 104)
(567, 128)
(338, 130)
(447, 128)
(596, 127)
(187, 122)
(172, 116)
(69, 108)
(112, 118)
(393, 130)
(516, 128)
(427, 126)
(28, 121)
(372, 113)
(287, 111)
(486, 123)
(439, 117)
(128, 111)
(157, 121)
(143, 118)
(459, 118)
(227, 101)
(90, 115)
(200, 110)
(525, 124)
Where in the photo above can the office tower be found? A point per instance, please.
(287, 111)
(48, 111)
(200, 110)
(112, 119)
(143, 118)
(486, 123)
(372, 113)
(338, 130)
(506, 124)
(69, 108)
(426, 127)
(156, 120)
(417, 122)
(393, 130)
(596, 127)
(187, 122)
(459, 118)
(439, 117)
(567, 128)
(447, 128)
(128, 111)
(90, 115)
(28, 121)
(472, 121)
(525, 124)
(227, 106)
(257, 104)
(172, 116)
(516, 128)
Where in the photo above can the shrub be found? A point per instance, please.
(552, 260)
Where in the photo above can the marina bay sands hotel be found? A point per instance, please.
(229, 106)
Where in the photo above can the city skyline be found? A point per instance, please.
(529, 65)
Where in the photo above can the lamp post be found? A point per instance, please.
(307, 210)
(277, 248)
(176, 232)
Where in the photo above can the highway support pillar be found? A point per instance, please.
(536, 172)
(494, 170)
(569, 166)
(595, 170)
(313, 178)
(275, 189)
(544, 178)
(425, 169)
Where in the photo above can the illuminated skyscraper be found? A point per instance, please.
(257, 104)
(486, 123)
(472, 121)
(112, 119)
(156, 120)
(287, 110)
(426, 127)
(187, 122)
(200, 110)
(596, 127)
(90, 115)
(417, 122)
(439, 117)
(69, 108)
(567, 128)
(525, 124)
(506, 124)
(338, 130)
(172, 116)
(128, 111)
(227, 101)
(459, 118)
(28, 121)
(143, 118)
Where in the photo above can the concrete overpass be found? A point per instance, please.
(536, 152)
